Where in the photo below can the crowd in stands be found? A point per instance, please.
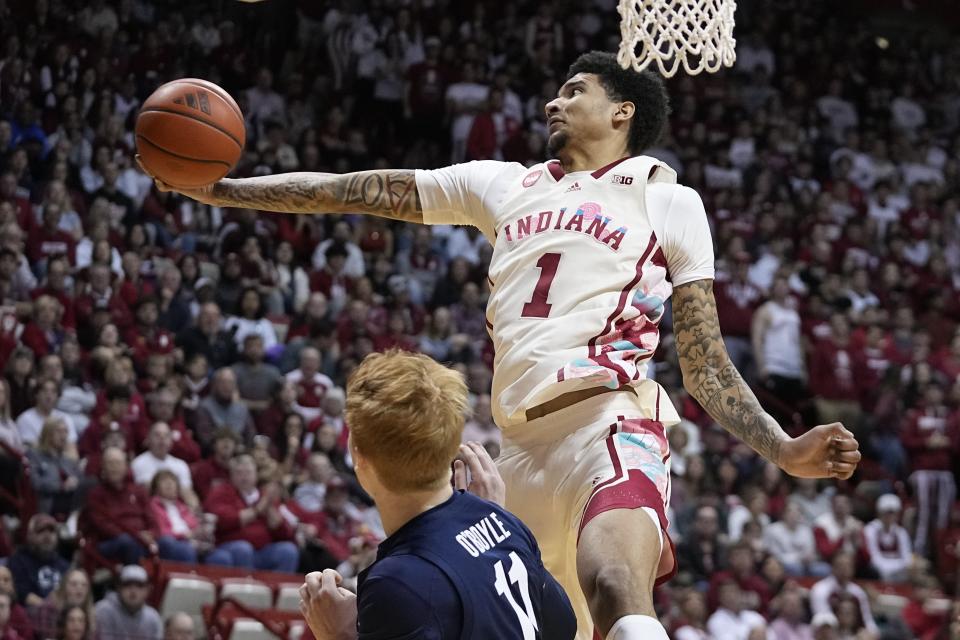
(173, 373)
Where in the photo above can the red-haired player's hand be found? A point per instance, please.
(329, 609)
(484, 480)
(827, 451)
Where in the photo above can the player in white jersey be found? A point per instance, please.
(587, 250)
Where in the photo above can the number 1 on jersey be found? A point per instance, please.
(538, 307)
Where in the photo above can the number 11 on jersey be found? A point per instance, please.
(538, 307)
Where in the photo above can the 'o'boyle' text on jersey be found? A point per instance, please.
(582, 266)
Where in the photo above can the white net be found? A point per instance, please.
(697, 34)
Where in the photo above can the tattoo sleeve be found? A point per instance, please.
(389, 194)
(710, 377)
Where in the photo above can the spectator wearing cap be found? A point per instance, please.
(887, 543)
(257, 382)
(249, 525)
(118, 517)
(931, 436)
(208, 338)
(311, 385)
(37, 568)
(223, 408)
(826, 594)
(157, 456)
(215, 469)
(124, 614)
(732, 619)
(54, 474)
(30, 422)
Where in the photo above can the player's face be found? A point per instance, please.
(581, 111)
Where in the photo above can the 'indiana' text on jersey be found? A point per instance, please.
(576, 297)
(588, 219)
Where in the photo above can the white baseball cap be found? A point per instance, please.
(889, 502)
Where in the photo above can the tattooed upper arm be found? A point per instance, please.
(710, 377)
(388, 193)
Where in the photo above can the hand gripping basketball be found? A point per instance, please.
(200, 194)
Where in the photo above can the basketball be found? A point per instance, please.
(190, 133)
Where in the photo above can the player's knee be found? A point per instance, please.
(616, 589)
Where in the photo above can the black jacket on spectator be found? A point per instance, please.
(220, 352)
(32, 574)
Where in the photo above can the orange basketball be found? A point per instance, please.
(190, 133)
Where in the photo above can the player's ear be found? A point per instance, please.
(624, 111)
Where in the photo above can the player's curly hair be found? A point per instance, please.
(645, 89)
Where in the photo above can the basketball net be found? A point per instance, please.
(697, 34)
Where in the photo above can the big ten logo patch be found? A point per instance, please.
(625, 180)
(532, 178)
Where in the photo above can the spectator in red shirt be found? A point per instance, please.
(836, 369)
(162, 407)
(310, 384)
(931, 436)
(331, 280)
(146, 337)
(215, 470)
(118, 518)
(837, 530)
(756, 592)
(737, 300)
(6, 630)
(116, 417)
(44, 333)
(99, 294)
(55, 286)
(48, 240)
(249, 525)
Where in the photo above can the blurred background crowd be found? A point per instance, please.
(173, 373)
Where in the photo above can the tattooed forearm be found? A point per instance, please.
(710, 377)
(390, 194)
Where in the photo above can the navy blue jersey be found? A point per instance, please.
(466, 569)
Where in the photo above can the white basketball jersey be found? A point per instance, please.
(578, 276)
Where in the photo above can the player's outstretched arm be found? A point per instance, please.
(388, 193)
(710, 377)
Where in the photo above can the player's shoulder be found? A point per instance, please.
(408, 569)
(672, 197)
